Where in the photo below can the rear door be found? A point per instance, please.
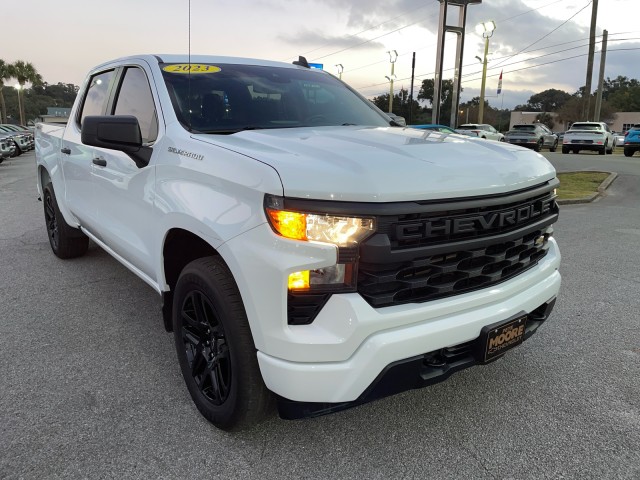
(76, 158)
(125, 190)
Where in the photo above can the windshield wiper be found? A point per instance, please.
(229, 131)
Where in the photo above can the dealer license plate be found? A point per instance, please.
(496, 339)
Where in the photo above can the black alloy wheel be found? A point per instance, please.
(206, 347)
(65, 240)
(215, 347)
(51, 220)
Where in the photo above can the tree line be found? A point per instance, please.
(621, 94)
(33, 96)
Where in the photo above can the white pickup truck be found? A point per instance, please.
(307, 252)
(595, 136)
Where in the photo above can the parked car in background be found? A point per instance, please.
(594, 136)
(532, 135)
(7, 147)
(632, 141)
(22, 131)
(618, 139)
(483, 130)
(18, 141)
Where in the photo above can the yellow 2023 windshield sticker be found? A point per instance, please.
(191, 68)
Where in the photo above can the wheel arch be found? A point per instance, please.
(179, 248)
(43, 178)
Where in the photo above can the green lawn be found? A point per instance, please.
(579, 184)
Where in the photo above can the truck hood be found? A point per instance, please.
(377, 164)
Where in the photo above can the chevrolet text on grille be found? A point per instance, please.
(476, 223)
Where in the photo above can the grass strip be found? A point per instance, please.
(579, 184)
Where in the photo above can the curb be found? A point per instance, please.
(606, 183)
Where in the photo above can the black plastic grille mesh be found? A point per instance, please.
(443, 275)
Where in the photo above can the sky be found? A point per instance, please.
(532, 43)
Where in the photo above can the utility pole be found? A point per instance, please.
(393, 56)
(586, 105)
(603, 60)
(486, 29)
(413, 71)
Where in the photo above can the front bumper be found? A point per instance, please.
(412, 373)
(409, 331)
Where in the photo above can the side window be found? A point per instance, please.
(135, 98)
(97, 94)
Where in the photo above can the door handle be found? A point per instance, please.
(101, 162)
(66, 150)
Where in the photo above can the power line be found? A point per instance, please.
(366, 30)
(523, 68)
(428, 75)
(545, 36)
(374, 38)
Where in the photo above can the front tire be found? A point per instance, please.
(215, 348)
(555, 147)
(66, 241)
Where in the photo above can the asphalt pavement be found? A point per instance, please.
(90, 386)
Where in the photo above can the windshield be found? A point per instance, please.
(468, 127)
(230, 98)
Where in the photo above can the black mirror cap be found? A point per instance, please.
(117, 132)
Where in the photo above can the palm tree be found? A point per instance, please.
(24, 72)
(6, 72)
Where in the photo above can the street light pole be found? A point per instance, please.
(18, 87)
(340, 70)
(393, 56)
(486, 28)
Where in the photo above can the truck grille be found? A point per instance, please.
(423, 256)
(438, 276)
(423, 251)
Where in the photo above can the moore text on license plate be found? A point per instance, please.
(496, 339)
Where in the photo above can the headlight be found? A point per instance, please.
(337, 230)
(342, 231)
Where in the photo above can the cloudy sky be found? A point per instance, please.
(534, 42)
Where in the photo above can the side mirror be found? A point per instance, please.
(117, 132)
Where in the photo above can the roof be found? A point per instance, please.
(212, 59)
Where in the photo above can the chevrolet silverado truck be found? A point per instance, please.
(594, 136)
(310, 254)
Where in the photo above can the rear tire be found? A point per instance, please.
(565, 150)
(628, 152)
(555, 147)
(215, 348)
(538, 146)
(66, 241)
(603, 150)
